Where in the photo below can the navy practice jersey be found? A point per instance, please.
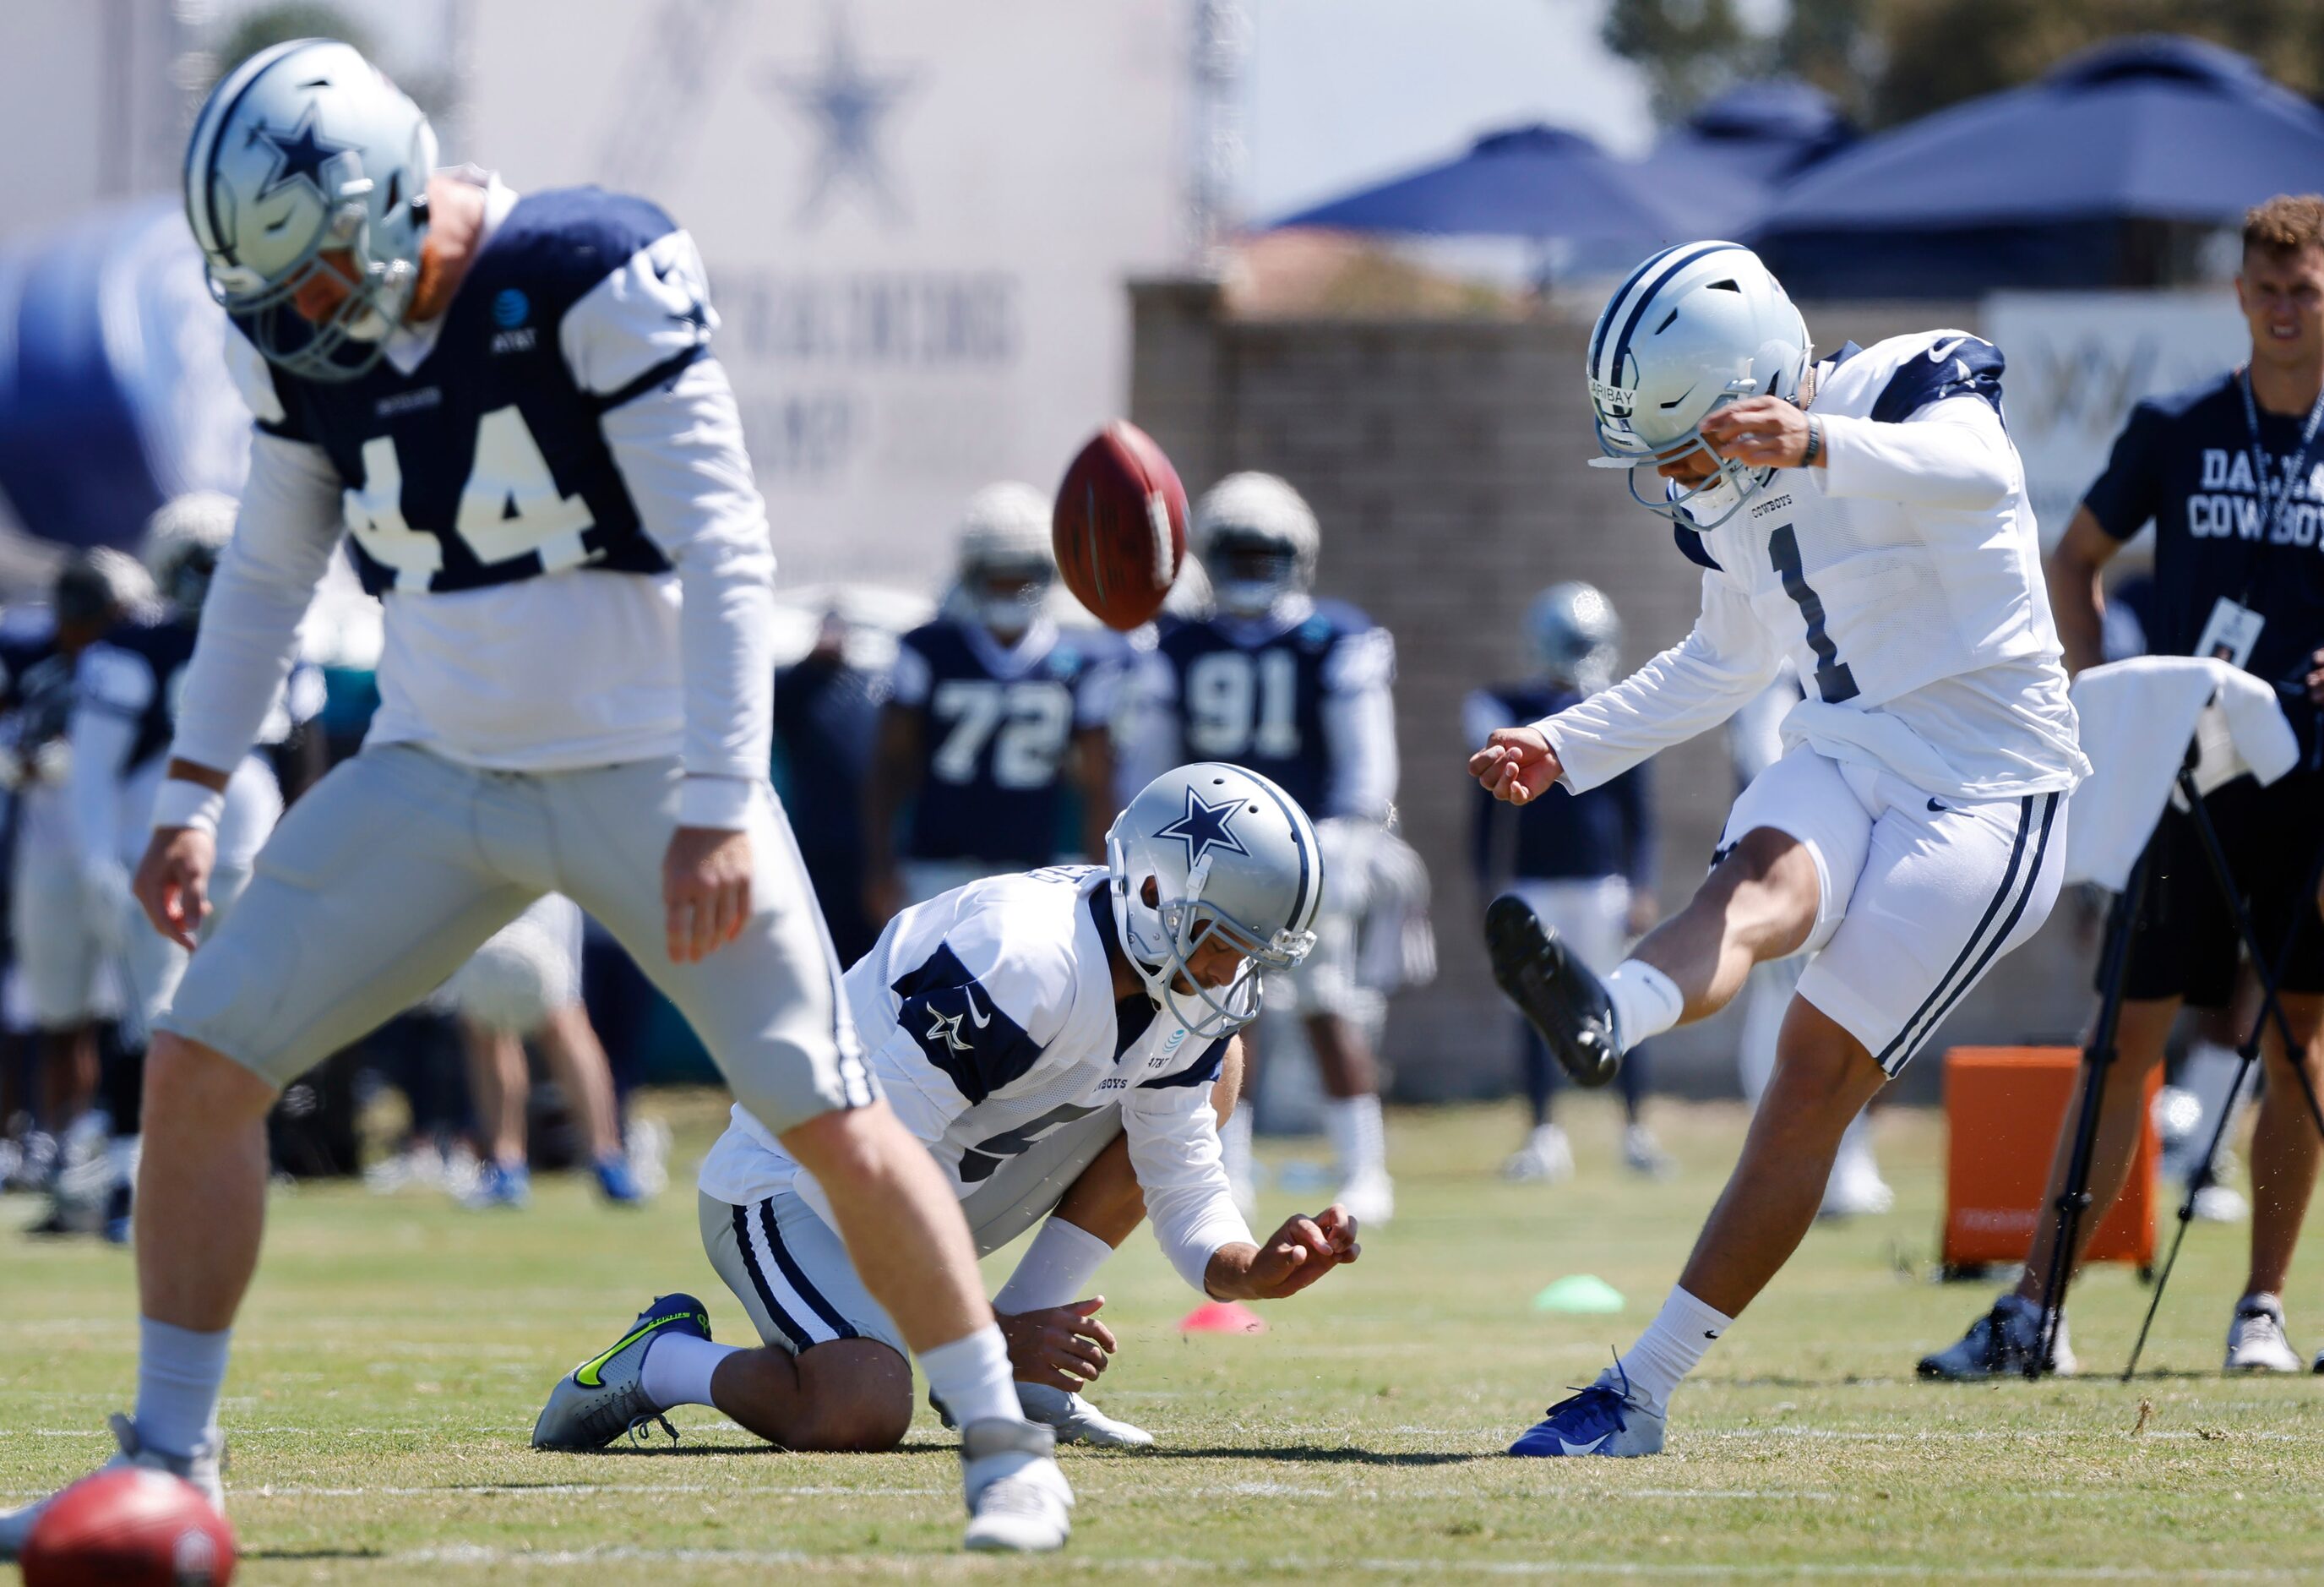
(486, 464)
(36, 681)
(1563, 836)
(2185, 461)
(1258, 695)
(138, 671)
(997, 725)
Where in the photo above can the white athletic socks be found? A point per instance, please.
(677, 1368)
(1359, 1140)
(1646, 1002)
(180, 1373)
(972, 1377)
(1056, 1269)
(1671, 1346)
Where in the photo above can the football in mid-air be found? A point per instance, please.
(1120, 526)
(128, 1526)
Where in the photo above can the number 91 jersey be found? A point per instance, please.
(485, 462)
(1273, 694)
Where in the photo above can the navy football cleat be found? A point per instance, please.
(1554, 990)
(604, 1398)
(1604, 1418)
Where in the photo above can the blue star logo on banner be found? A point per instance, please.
(846, 103)
(299, 155)
(1204, 827)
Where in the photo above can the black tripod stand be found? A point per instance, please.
(2248, 1055)
(2098, 1058)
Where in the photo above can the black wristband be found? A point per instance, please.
(1815, 442)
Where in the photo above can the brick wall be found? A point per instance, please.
(1445, 460)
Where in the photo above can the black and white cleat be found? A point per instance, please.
(1557, 992)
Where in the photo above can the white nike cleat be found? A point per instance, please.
(1074, 1420)
(2220, 1204)
(1370, 1197)
(200, 1469)
(1546, 1158)
(1999, 1345)
(2255, 1340)
(1642, 1153)
(1018, 1502)
(1605, 1419)
(1855, 1189)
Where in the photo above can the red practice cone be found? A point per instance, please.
(1223, 1317)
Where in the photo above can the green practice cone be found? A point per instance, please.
(1580, 1292)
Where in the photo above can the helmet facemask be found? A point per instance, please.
(1008, 597)
(1730, 485)
(1249, 572)
(345, 345)
(1160, 939)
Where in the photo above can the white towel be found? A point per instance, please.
(2137, 719)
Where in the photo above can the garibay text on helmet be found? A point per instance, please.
(1007, 566)
(305, 160)
(1258, 539)
(1694, 328)
(1576, 634)
(183, 541)
(1233, 857)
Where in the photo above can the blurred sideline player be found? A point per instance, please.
(511, 403)
(1585, 863)
(1867, 516)
(124, 714)
(1297, 689)
(2199, 464)
(991, 710)
(526, 981)
(1061, 1041)
(58, 942)
(1754, 742)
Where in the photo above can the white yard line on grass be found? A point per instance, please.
(1313, 1568)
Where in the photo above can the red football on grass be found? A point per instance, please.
(130, 1528)
(1120, 527)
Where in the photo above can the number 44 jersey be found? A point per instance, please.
(1903, 579)
(527, 479)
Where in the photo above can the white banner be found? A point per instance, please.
(918, 216)
(2079, 361)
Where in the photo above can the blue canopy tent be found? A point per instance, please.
(1540, 184)
(113, 393)
(2077, 181)
(1730, 154)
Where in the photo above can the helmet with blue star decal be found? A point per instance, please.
(1231, 858)
(305, 160)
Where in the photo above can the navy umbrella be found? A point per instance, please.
(1729, 156)
(1538, 182)
(2021, 188)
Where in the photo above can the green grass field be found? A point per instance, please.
(392, 1359)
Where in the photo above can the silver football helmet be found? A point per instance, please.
(305, 160)
(183, 542)
(1694, 328)
(1257, 539)
(1230, 855)
(1576, 634)
(1007, 566)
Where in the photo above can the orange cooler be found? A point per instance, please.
(2003, 1108)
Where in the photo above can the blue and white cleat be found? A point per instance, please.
(500, 1185)
(1604, 1418)
(605, 1396)
(617, 1183)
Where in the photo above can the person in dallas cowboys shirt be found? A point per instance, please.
(511, 405)
(2228, 472)
(995, 729)
(1062, 1041)
(1864, 515)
